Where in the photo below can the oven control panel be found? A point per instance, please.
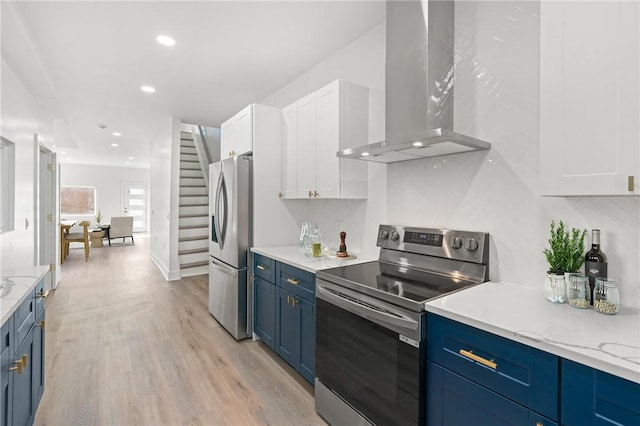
(459, 245)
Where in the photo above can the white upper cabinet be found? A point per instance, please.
(589, 98)
(236, 134)
(315, 128)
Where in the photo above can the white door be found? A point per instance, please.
(134, 203)
(46, 236)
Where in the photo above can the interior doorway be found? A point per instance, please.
(47, 230)
(134, 203)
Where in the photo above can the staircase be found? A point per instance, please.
(193, 224)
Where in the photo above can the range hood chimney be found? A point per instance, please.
(418, 86)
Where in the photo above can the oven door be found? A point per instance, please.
(370, 354)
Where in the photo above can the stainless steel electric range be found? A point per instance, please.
(371, 322)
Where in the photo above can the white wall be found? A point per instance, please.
(108, 184)
(21, 118)
(496, 99)
(164, 190)
(361, 62)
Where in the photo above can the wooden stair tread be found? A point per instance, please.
(194, 205)
(196, 238)
(193, 251)
(192, 226)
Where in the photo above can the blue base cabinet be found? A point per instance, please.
(591, 397)
(285, 312)
(475, 377)
(22, 351)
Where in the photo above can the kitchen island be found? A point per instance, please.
(22, 343)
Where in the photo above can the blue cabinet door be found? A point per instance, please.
(38, 359)
(288, 324)
(593, 398)
(307, 340)
(456, 401)
(6, 376)
(264, 311)
(23, 385)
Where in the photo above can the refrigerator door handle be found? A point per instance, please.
(221, 195)
(223, 267)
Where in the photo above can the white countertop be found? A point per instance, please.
(292, 256)
(15, 285)
(610, 343)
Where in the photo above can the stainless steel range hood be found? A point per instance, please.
(418, 86)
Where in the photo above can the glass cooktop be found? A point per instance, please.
(403, 286)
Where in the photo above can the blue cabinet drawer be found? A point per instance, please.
(591, 397)
(299, 282)
(23, 320)
(521, 373)
(456, 401)
(264, 267)
(7, 334)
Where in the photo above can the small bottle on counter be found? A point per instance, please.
(578, 291)
(316, 243)
(607, 297)
(595, 263)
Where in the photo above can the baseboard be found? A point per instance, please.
(168, 275)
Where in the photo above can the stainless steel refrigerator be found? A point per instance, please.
(230, 198)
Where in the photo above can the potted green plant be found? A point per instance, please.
(99, 217)
(564, 255)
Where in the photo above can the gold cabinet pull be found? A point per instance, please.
(293, 281)
(40, 324)
(630, 183)
(310, 194)
(261, 267)
(18, 367)
(294, 301)
(539, 424)
(25, 360)
(315, 194)
(288, 300)
(483, 361)
(43, 294)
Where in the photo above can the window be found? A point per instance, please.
(78, 200)
(7, 184)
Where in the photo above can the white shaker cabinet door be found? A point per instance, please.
(227, 142)
(328, 141)
(589, 98)
(306, 146)
(243, 131)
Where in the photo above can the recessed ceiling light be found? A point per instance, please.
(115, 144)
(365, 154)
(165, 40)
(416, 144)
(117, 134)
(130, 158)
(148, 89)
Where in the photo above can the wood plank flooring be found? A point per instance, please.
(126, 347)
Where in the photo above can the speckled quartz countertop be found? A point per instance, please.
(610, 343)
(15, 285)
(292, 256)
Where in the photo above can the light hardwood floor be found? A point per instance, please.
(126, 347)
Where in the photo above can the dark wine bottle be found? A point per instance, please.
(595, 262)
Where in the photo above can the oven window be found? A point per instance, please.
(369, 367)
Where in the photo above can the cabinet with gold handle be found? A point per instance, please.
(41, 324)
(476, 358)
(18, 367)
(293, 281)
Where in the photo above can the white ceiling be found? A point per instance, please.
(86, 61)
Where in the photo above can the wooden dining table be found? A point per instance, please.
(65, 226)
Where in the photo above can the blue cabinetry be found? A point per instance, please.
(284, 312)
(591, 397)
(475, 377)
(22, 350)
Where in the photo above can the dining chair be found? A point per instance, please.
(78, 237)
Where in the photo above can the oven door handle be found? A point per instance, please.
(365, 311)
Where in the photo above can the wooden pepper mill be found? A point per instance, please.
(342, 250)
